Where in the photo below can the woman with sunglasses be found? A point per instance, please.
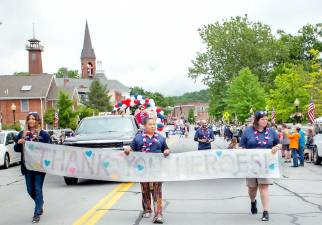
(260, 136)
(34, 179)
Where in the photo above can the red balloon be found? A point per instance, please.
(136, 101)
(116, 105)
(158, 110)
(128, 102)
(147, 100)
(159, 128)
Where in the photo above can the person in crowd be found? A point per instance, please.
(150, 142)
(34, 179)
(294, 145)
(167, 131)
(62, 137)
(310, 144)
(141, 114)
(233, 144)
(186, 130)
(259, 136)
(204, 136)
(285, 141)
(301, 143)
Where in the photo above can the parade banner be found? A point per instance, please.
(114, 165)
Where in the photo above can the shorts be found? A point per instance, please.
(254, 182)
(286, 147)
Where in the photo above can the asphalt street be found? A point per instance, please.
(296, 198)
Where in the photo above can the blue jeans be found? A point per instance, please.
(34, 183)
(295, 153)
(301, 155)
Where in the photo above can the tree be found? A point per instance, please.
(244, 93)
(49, 116)
(289, 85)
(84, 111)
(98, 97)
(66, 113)
(63, 71)
(191, 116)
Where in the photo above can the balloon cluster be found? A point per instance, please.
(137, 100)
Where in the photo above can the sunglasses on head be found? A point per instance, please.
(33, 113)
(260, 113)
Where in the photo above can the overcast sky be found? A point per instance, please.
(149, 43)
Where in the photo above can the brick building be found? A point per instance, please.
(200, 110)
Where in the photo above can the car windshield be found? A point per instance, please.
(106, 125)
(2, 135)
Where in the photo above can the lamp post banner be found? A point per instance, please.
(114, 165)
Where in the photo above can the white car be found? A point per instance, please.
(318, 149)
(7, 154)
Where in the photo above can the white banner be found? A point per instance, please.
(114, 165)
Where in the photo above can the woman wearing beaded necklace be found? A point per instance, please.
(150, 142)
(260, 136)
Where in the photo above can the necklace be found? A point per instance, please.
(147, 146)
(205, 133)
(264, 142)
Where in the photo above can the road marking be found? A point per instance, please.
(93, 215)
(108, 205)
(85, 217)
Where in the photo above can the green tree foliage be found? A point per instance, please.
(195, 96)
(98, 97)
(289, 85)
(63, 71)
(66, 113)
(158, 98)
(21, 73)
(49, 116)
(84, 111)
(244, 93)
(191, 116)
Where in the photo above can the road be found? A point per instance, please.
(296, 198)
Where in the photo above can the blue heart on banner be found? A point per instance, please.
(31, 147)
(89, 153)
(47, 162)
(271, 166)
(218, 154)
(106, 164)
(140, 167)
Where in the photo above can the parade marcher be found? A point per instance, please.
(301, 143)
(150, 142)
(294, 146)
(285, 145)
(259, 136)
(233, 144)
(141, 114)
(204, 136)
(34, 179)
(167, 131)
(310, 144)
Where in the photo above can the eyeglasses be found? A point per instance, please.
(260, 113)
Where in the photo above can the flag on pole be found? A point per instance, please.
(273, 116)
(56, 120)
(310, 111)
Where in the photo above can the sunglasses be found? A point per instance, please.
(260, 113)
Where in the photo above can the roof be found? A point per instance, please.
(88, 51)
(55, 90)
(11, 85)
(83, 85)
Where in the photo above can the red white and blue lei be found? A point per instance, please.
(265, 141)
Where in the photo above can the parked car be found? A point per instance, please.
(7, 155)
(107, 132)
(318, 149)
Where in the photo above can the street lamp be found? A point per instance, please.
(13, 109)
(296, 104)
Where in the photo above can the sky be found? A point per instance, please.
(146, 43)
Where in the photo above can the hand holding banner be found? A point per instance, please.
(114, 165)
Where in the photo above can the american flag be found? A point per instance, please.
(273, 116)
(310, 111)
(56, 120)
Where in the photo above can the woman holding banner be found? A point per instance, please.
(150, 142)
(34, 179)
(260, 136)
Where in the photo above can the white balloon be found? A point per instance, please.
(142, 101)
(162, 113)
(124, 106)
(152, 104)
(139, 97)
(132, 98)
(158, 120)
(132, 103)
(151, 101)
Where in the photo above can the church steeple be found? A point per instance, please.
(88, 58)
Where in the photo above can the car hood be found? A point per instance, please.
(110, 137)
